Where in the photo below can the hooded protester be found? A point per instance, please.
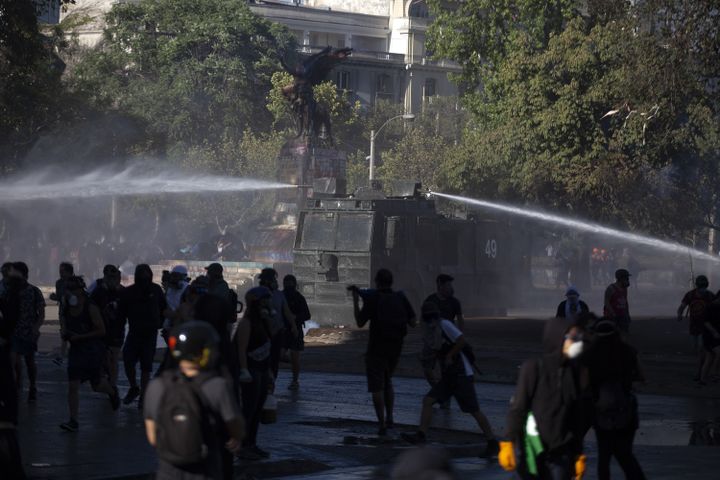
(613, 367)
(572, 307)
(548, 417)
(144, 306)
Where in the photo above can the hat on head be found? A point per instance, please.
(257, 293)
(214, 267)
(111, 270)
(572, 291)
(444, 278)
(621, 273)
(605, 328)
(180, 269)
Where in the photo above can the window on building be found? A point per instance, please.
(418, 9)
(429, 88)
(384, 83)
(342, 79)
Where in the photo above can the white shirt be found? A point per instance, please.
(453, 333)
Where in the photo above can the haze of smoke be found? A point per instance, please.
(585, 227)
(134, 180)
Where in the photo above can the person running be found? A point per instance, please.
(547, 420)
(85, 331)
(283, 319)
(295, 343)
(457, 379)
(694, 307)
(65, 270)
(143, 306)
(389, 313)
(572, 308)
(27, 330)
(191, 416)
(106, 296)
(253, 342)
(613, 367)
(616, 301)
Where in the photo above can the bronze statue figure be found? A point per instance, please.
(309, 117)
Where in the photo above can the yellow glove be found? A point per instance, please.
(580, 465)
(506, 456)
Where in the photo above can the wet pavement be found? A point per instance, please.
(326, 431)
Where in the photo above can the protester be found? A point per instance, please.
(106, 295)
(4, 273)
(283, 319)
(613, 366)
(27, 330)
(10, 457)
(695, 305)
(572, 308)
(143, 305)
(85, 331)
(186, 310)
(444, 298)
(711, 342)
(457, 379)
(191, 416)
(217, 284)
(253, 342)
(174, 290)
(389, 314)
(548, 417)
(295, 343)
(65, 270)
(616, 301)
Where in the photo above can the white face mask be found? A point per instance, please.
(575, 350)
(73, 300)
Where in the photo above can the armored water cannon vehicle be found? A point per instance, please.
(343, 240)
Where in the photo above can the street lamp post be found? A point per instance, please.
(373, 134)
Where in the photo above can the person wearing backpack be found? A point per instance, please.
(548, 416)
(696, 303)
(191, 416)
(457, 379)
(613, 367)
(389, 313)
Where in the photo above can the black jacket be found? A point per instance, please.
(556, 391)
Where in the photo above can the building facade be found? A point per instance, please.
(389, 61)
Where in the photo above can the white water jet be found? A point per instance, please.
(135, 180)
(585, 227)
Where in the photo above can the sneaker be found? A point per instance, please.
(249, 454)
(114, 398)
(416, 438)
(70, 426)
(58, 361)
(131, 395)
(32, 395)
(492, 449)
(260, 451)
(294, 385)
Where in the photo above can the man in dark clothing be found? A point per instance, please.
(24, 342)
(283, 319)
(616, 306)
(295, 343)
(144, 307)
(613, 367)
(106, 296)
(10, 459)
(65, 270)
(450, 307)
(389, 314)
(553, 389)
(572, 308)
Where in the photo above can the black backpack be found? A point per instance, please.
(184, 425)
(392, 314)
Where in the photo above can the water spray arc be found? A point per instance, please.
(584, 226)
(132, 181)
